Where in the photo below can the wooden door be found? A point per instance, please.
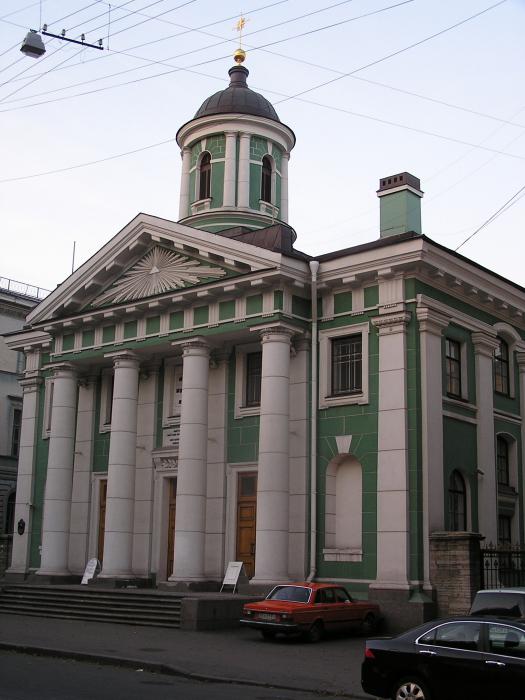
(171, 527)
(246, 520)
(102, 518)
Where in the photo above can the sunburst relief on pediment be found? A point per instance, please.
(159, 271)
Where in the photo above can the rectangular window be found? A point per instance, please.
(347, 365)
(502, 458)
(253, 378)
(501, 368)
(15, 434)
(504, 530)
(453, 367)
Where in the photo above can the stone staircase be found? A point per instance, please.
(128, 607)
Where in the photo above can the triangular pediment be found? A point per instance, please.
(159, 271)
(149, 258)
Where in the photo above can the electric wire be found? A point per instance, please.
(508, 204)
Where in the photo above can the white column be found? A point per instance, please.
(184, 198)
(144, 474)
(244, 171)
(214, 564)
(431, 325)
(190, 518)
(392, 454)
(59, 479)
(284, 187)
(118, 535)
(81, 492)
(484, 346)
(271, 552)
(229, 169)
(26, 476)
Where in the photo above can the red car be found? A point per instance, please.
(310, 609)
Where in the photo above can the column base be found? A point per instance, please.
(402, 607)
(273, 581)
(198, 585)
(124, 581)
(54, 578)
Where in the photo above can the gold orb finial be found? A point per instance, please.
(239, 56)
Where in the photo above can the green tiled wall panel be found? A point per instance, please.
(68, 341)
(130, 329)
(254, 304)
(278, 300)
(217, 184)
(342, 302)
(152, 325)
(195, 153)
(88, 338)
(226, 310)
(108, 334)
(100, 440)
(176, 320)
(255, 185)
(371, 296)
(258, 148)
(201, 315)
(460, 452)
(216, 145)
(242, 433)
(301, 306)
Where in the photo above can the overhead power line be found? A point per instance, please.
(508, 204)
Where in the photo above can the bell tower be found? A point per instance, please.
(235, 154)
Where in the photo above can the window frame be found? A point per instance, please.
(267, 180)
(450, 363)
(502, 363)
(203, 181)
(454, 514)
(16, 429)
(241, 353)
(107, 379)
(171, 409)
(505, 458)
(253, 379)
(326, 398)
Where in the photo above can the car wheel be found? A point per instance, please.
(315, 633)
(410, 688)
(268, 634)
(369, 624)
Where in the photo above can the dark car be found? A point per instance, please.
(501, 602)
(468, 657)
(310, 609)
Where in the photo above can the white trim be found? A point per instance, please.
(106, 377)
(48, 407)
(172, 378)
(325, 365)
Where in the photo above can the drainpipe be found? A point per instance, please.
(314, 267)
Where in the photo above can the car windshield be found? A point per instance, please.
(507, 604)
(294, 594)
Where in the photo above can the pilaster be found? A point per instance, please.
(229, 169)
(243, 195)
(392, 457)
(484, 346)
(184, 197)
(284, 187)
(431, 326)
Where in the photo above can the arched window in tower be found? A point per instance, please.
(457, 502)
(501, 367)
(205, 177)
(266, 180)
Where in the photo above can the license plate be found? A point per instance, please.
(266, 616)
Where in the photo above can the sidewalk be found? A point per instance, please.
(331, 667)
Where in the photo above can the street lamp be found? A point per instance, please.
(33, 45)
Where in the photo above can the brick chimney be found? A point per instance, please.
(400, 206)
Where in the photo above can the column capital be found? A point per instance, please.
(63, 369)
(484, 343)
(30, 384)
(431, 321)
(86, 380)
(124, 358)
(277, 328)
(395, 322)
(193, 346)
(185, 150)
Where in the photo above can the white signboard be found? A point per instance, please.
(91, 570)
(231, 577)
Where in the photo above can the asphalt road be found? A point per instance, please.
(26, 677)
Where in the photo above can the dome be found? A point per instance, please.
(237, 98)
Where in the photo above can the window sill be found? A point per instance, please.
(343, 400)
(268, 208)
(242, 411)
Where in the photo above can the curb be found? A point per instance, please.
(165, 669)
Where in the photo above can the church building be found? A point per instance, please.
(201, 391)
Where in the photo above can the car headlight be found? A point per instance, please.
(247, 613)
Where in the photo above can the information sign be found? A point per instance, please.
(91, 570)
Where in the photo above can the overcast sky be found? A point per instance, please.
(449, 109)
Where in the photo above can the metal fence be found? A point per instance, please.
(26, 290)
(503, 567)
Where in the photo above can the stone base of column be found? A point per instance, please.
(274, 581)
(402, 608)
(11, 576)
(124, 581)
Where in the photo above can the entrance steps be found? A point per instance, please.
(131, 607)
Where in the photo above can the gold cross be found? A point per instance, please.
(239, 27)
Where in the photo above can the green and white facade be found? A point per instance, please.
(190, 353)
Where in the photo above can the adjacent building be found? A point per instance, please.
(201, 391)
(16, 300)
